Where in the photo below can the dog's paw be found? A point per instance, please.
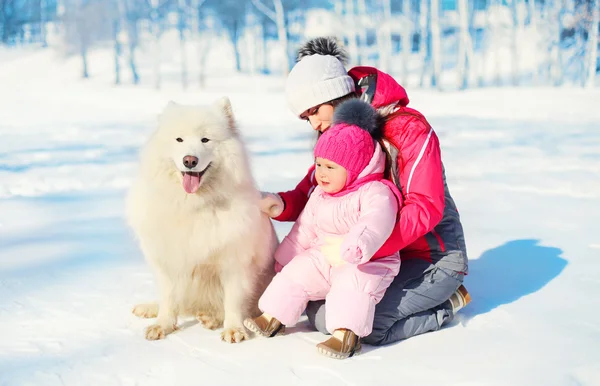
(146, 310)
(208, 321)
(234, 335)
(156, 332)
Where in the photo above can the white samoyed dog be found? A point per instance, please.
(194, 210)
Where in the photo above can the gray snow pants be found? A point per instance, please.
(416, 302)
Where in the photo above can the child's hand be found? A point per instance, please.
(271, 204)
(351, 252)
(352, 255)
(332, 250)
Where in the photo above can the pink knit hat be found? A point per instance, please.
(349, 142)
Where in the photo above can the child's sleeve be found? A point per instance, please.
(300, 237)
(378, 213)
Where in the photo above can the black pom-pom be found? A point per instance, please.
(326, 45)
(361, 114)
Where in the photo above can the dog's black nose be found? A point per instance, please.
(190, 161)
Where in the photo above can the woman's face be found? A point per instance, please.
(319, 116)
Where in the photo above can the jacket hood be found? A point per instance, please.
(387, 90)
(376, 164)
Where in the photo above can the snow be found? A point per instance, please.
(523, 165)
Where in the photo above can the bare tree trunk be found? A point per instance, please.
(282, 35)
(436, 45)
(406, 41)
(362, 31)
(514, 43)
(203, 57)
(195, 26)
(5, 22)
(476, 65)
(251, 46)
(127, 36)
(121, 37)
(492, 53)
(517, 32)
(350, 28)
(84, 35)
(384, 38)
(132, 65)
(59, 25)
(265, 48)
(155, 31)
(235, 38)
(556, 53)
(196, 37)
(593, 44)
(85, 73)
(182, 8)
(465, 45)
(43, 21)
(277, 16)
(117, 46)
(534, 32)
(424, 40)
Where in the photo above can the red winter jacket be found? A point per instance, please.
(421, 179)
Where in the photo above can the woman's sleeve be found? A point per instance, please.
(295, 200)
(422, 183)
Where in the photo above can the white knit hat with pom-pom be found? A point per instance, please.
(318, 77)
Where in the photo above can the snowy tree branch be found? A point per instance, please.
(264, 9)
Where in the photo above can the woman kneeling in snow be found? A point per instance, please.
(428, 291)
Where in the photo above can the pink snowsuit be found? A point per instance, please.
(365, 218)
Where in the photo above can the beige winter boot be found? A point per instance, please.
(343, 344)
(265, 325)
(460, 299)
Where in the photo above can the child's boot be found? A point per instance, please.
(460, 299)
(265, 325)
(343, 344)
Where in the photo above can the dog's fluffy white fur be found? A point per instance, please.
(211, 250)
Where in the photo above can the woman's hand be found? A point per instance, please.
(271, 204)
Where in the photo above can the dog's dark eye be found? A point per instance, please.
(204, 140)
(179, 139)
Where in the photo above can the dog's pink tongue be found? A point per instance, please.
(191, 182)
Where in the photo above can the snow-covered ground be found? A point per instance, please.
(523, 166)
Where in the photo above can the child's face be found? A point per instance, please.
(331, 177)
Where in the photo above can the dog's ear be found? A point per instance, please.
(224, 105)
(168, 107)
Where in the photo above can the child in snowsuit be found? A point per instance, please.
(328, 253)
